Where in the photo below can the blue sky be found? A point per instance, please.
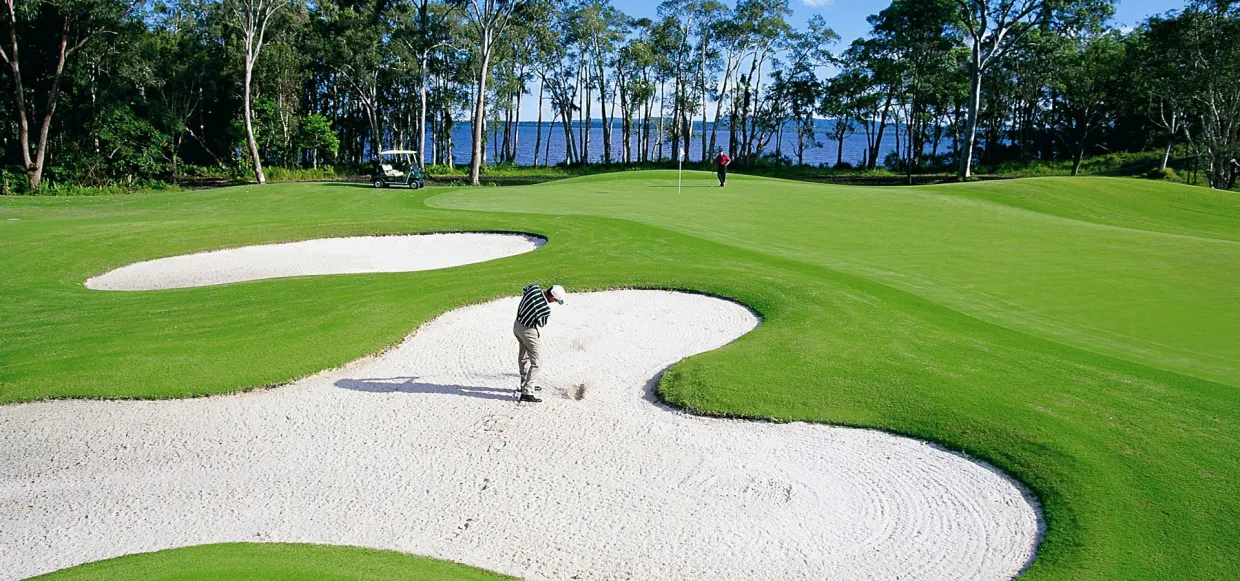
(847, 17)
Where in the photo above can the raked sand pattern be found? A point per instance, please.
(315, 257)
(422, 449)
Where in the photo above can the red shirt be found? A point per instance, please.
(723, 159)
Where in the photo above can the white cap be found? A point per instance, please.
(557, 292)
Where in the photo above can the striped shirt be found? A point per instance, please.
(533, 311)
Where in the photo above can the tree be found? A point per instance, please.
(316, 135)
(996, 28)
(356, 41)
(433, 32)
(1207, 44)
(799, 86)
(1088, 72)
(912, 47)
(251, 18)
(487, 19)
(70, 24)
(839, 105)
(1158, 80)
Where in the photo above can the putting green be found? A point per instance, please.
(1082, 334)
(1143, 294)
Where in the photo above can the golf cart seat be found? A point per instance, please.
(391, 173)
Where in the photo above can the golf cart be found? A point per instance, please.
(386, 175)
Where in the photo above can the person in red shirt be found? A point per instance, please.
(721, 162)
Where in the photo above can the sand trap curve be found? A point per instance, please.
(315, 257)
(422, 450)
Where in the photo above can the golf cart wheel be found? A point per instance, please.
(380, 184)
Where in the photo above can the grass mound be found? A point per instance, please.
(271, 562)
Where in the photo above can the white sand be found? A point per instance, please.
(315, 257)
(422, 450)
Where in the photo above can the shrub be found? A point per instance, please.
(1162, 174)
(58, 189)
(10, 182)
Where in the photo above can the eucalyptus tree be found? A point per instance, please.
(433, 29)
(177, 56)
(807, 53)
(767, 23)
(994, 29)
(251, 18)
(558, 67)
(59, 29)
(711, 36)
(911, 46)
(487, 21)
(599, 27)
(673, 36)
(635, 61)
(356, 39)
(875, 70)
(1088, 74)
(641, 58)
(1158, 82)
(838, 105)
(1206, 43)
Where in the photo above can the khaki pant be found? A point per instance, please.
(530, 355)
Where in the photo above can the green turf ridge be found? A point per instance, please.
(271, 562)
(1090, 355)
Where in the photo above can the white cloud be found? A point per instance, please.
(817, 3)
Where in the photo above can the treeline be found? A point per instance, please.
(126, 91)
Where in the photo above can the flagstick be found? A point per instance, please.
(680, 170)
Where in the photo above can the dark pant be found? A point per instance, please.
(723, 174)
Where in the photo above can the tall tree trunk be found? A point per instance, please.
(975, 103)
(19, 94)
(878, 137)
(550, 129)
(538, 136)
(601, 77)
(516, 130)
(480, 102)
(422, 112)
(249, 124)
(723, 92)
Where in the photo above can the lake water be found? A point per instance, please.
(854, 146)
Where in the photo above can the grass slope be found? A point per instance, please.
(1139, 294)
(916, 311)
(270, 562)
(1141, 204)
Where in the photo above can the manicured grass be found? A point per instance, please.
(1141, 204)
(1093, 355)
(1138, 294)
(271, 562)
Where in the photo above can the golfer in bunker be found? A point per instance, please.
(532, 315)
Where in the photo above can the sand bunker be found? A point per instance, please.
(423, 450)
(315, 257)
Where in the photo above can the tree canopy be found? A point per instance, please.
(125, 91)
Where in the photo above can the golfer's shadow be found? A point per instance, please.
(412, 385)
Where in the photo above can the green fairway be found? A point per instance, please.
(1080, 334)
(1140, 294)
(271, 562)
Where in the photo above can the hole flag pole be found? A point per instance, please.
(680, 168)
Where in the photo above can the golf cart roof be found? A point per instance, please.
(398, 152)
